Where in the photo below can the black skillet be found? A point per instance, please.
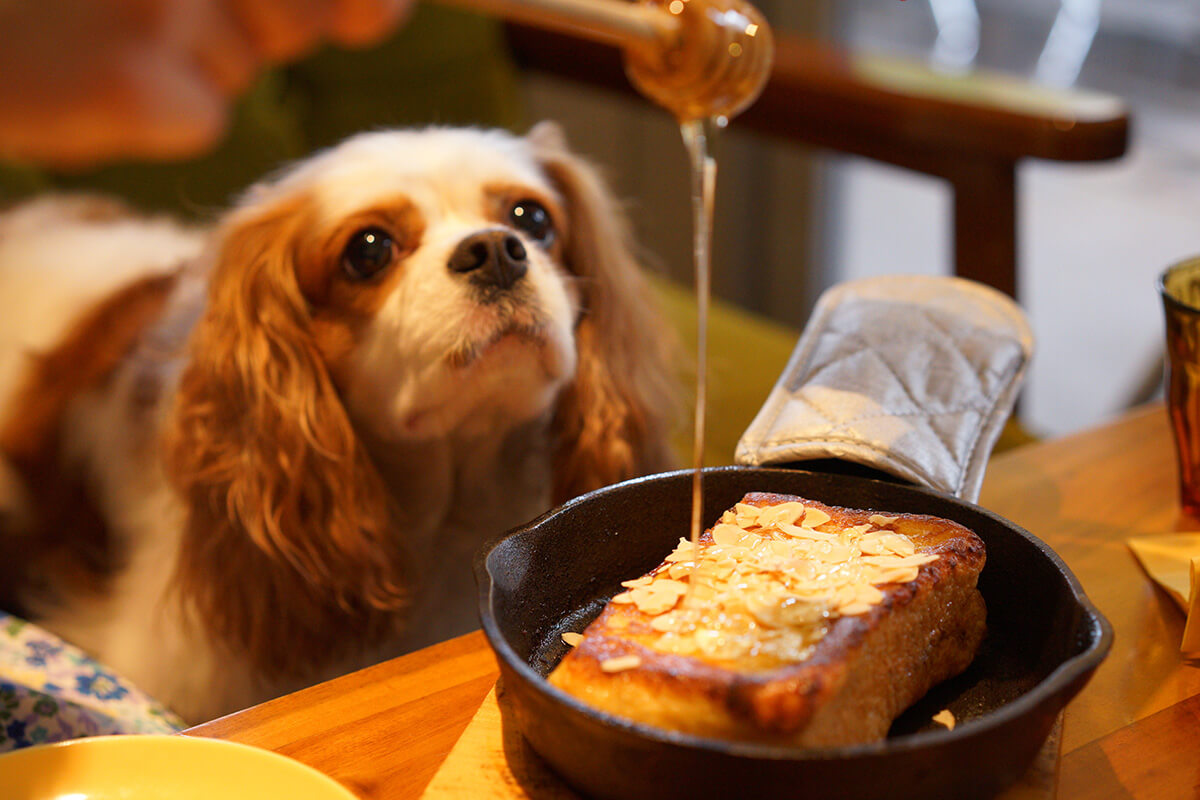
(555, 574)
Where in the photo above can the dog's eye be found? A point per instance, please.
(368, 251)
(532, 217)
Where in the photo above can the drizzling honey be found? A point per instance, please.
(698, 135)
(716, 66)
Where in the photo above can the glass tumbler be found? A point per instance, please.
(1179, 287)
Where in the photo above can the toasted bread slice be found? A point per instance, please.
(795, 623)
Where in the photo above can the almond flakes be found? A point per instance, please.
(765, 581)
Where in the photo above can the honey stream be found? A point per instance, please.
(699, 137)
(715, 68)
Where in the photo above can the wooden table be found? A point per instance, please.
(1133, 732)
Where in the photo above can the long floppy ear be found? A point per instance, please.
(614, 420)
(286, 553)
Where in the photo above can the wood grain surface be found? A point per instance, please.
(382, 731)
(1134, 732)
(1085, 495)
(492, 761)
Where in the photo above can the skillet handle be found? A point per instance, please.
(910, 376)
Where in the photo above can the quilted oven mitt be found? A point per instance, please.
(911, 375)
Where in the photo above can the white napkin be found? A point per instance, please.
(1172, 560)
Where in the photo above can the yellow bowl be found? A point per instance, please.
(159, 768)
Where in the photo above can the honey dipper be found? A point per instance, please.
(698, 59)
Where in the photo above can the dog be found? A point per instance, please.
(239, 459)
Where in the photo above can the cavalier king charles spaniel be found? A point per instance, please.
(236, 461)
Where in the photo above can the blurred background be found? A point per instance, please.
(1092, 237)
(791, 221)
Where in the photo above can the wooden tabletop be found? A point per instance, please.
(1134, 731)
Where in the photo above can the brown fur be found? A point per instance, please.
(613, 420)
(273, 472)
(318, 259)
(70, 543)
(341, 308)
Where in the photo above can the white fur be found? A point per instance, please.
(54, 266)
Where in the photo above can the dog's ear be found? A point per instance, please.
(285, 508)
(613, 421)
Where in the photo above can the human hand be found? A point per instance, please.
(83, 82)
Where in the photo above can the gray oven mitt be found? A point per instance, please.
(911, 375)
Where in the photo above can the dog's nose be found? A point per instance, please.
(493, 258)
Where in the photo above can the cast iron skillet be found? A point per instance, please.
(555, 574)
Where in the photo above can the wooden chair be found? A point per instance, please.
(970, 130)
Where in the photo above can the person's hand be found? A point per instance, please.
(83, 82)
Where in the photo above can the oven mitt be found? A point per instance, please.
(911, 375)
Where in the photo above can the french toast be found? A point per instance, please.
(794, 623)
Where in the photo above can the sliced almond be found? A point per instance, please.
(658, 597)
(832, 553)
(902, 575)
(870, 595)
(898, 544)
(746, 515)
(640, 594)
(945, 717)
(782, 549)
(784, 512)
(572, 638)
(845, 595)
(702, 594)
(727, 535)
(764, 607)
(881, 520)
(854, 609)
(737, 553)
(814, 517)
(717, 570)
(807, 533)
(668, 586)
(620, 663)
(684, 551)
(681, 569)
(873, 544)
(895, 562)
